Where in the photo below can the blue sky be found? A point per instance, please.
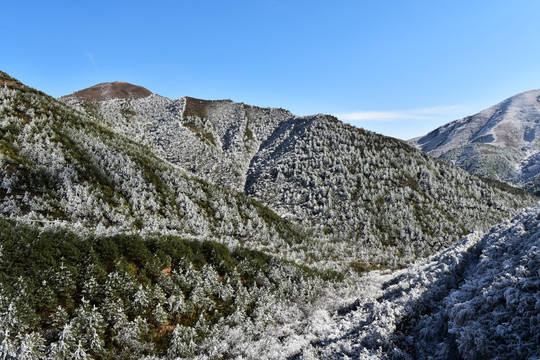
(400, 68)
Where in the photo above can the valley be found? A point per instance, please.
(134, 226)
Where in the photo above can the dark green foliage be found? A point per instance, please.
(249, 134)
(195, 112)
(361, 267)
(60, 270)
(288, 230)
(219, 256)
(504, 186)
(201, 132)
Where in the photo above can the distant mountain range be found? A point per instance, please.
(134, 226)
(502, 142)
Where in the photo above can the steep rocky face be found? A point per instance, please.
(111, 90)
(498, 142)
(378, 198)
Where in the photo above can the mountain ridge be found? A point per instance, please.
(498, 142)
(339, 183)
(505, 124)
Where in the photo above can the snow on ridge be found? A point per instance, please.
(368, 329)
(505, 121)
(496, 142)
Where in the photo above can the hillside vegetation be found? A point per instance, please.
(378, 195)
(362, 197)
(61, 165)
(63, 296)
(142, 227)
(476, 300)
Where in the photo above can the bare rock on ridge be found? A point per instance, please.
(111, 90)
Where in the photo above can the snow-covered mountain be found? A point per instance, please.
(213, 139)
(502, 142)
(62, 166)
(133, 226)
(375, 198)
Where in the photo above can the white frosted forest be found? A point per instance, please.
(151, 228)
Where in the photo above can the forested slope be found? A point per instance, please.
(476, 300)
(150, 228)
(360, 196)
(381, 197)
(61, 165)
(64, 296)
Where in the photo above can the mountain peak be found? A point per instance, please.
(513, 122)
(501, 142)
(111, 90)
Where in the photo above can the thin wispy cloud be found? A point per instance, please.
(92, 60)
(431, 113)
